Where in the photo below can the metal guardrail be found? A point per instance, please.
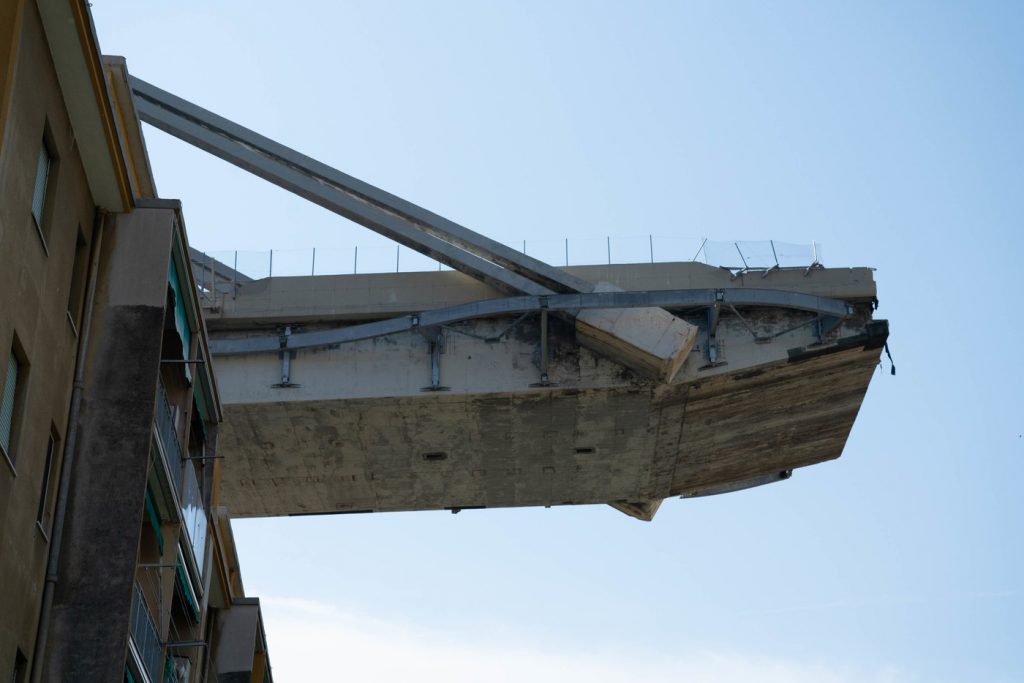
(759, 255)
(145, 636)
(223, 269)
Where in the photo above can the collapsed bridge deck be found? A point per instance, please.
(512, 410)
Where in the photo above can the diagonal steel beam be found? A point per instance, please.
(298, 181)
(383, 212)
(651, 341)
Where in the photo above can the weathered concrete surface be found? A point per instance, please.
(92, 599)
(541, 447)
(358, 431)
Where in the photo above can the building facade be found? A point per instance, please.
(116, 560)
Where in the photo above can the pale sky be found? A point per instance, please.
(890, 133)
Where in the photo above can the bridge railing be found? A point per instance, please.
(221, 269)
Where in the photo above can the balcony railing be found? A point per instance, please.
(145, 637)
(168, 436)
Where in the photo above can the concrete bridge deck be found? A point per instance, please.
(461, 415)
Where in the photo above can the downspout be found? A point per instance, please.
(70, 444)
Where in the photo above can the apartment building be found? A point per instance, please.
(116, 560)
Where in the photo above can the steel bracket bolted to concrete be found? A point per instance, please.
(286, 354)
(435, 337)
(545, 354)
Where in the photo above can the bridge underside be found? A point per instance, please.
(361, 426)
(629, 444)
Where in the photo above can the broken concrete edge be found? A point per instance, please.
(648, 360)
(642, 510)
(651, 341)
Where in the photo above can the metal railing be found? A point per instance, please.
(759, 255)
(221, 266)
(145, 636)
(168, 436)
(183, 478)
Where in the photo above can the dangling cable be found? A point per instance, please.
(893, 371)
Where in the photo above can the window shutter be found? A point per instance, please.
(7, 403)
(39, 193)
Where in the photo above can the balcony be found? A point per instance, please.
(183, 479)
(145, 640)
(168, 436)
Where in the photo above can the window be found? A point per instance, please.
(47, 169)
(7, 404)
(13, 373)
(42, 176)
(43, 515)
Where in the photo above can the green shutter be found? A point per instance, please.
(186, 592)
(181, 316)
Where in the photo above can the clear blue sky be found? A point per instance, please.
(892, 133)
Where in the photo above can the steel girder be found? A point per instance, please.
(565, 303)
